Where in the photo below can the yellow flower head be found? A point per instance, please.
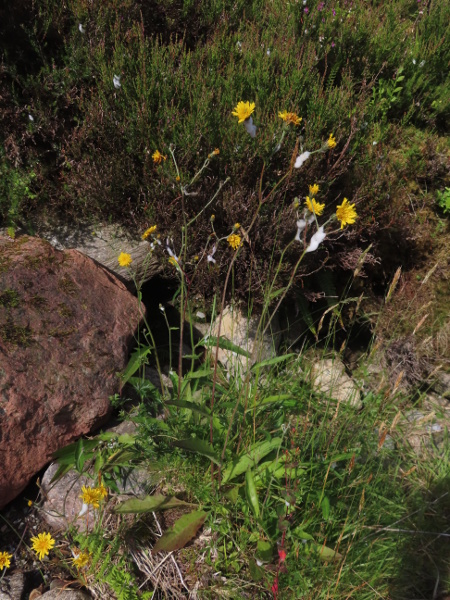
(289, 117)
(243, 110)
(216, 151)
(173, 261)
(102, 491)
(30, 502)
(346, 213)
(236, 226)
(90, 496)
(124, 259)
(234, 240)
(42, 544)
(149, 232)
(331, 143)
(177, 178)
(314, 207)
(5, 560)
(158, 157)
(212, 217)
(81, 559)
(313, 189)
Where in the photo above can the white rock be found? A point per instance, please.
(242, 331)
(328, 376)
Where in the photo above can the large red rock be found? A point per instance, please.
(66, 329)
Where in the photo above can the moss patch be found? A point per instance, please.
(9, 298)
(16, 335)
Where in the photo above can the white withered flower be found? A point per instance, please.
(81, 29)
(316, 240)
(116, 82)
(249, 127)
(210, 258)
(301, 159)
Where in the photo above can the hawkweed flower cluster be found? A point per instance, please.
(158, 157)
(303, 157)
(42, 544)
(345, 214)
(80, 559)
(243, 112)
(5, 560)
(124, 259)
(92, 497)
(290, 118)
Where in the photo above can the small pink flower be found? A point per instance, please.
(282, 555)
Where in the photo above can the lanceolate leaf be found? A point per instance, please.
(225, 345)
(326, 553)
(138, 358)
(251, 493)
(251, 458)
(154, 503)
(203, 410)
(200, 447)
(181, 532)
(272, 361)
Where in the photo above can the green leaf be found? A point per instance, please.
(198, 374)
(326, 553)
(181, 532)
(276, 293)
(80, 457)
(256, 572)
(264, 550)
(301, 534)
(251, 493)
(154, 503)
(272, 400)
(138, 358)
(272, 361)
(325, 508)
(199, 446)
(251, 458)
(203, 410)
(224, 344)
(232, 494)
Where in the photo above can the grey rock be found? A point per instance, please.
(104, 243)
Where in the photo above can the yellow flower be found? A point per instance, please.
(42, 544)
(314, 207)
(243, 110)
(216, 151)
(148, 232)
(81, 560)
(173, 261)
(30, 502)
(234, 241)
(212, 217)
(5, 560)
(125, 259)
(289, 117)
(331, 143)
(90, 496)
(237, 225)
(102, 491)
(177, 178)
(346, 213)
(158, 157)
(313, 189)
